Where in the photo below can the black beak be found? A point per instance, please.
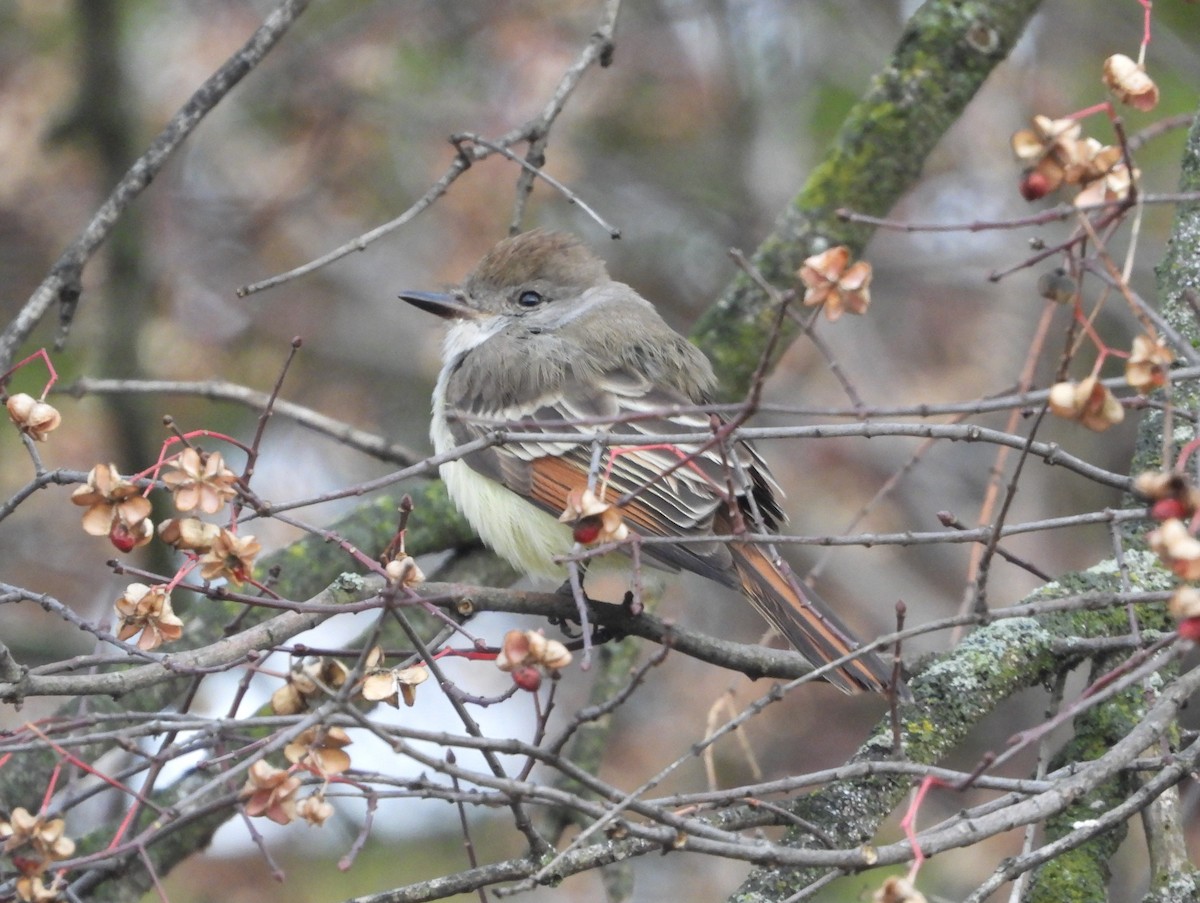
(447, 306)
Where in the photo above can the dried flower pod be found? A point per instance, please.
(306, 682)
(593, 520)
(1114, 185)
(897, 890)
(1147, 365)
(854, 289)
(1154, 484)
(288, 700)
(1048, 149)
(1170, 493)
(1089, 402)
(390, 685)
(33, 889)
(315, 809)
(147, 609)
(514, 650)
(109, 498)
(524, 649)
(403, 571)
(200, 480)
(188, 534)
(271, 792)
(830, 279)
(1129, 83)
(33, 418)
(1057, 153)
(556, 656)
(320, 750)
(1184, 603)
(36, 837)
(327, 672)
(1184, 606)
(1062, 400)
(230, 556)
(1178, 549)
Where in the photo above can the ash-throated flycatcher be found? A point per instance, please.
(543, 336)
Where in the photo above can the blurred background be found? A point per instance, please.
(692, 142)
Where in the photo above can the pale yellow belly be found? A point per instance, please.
(521, 533)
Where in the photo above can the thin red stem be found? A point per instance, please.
(40, 353)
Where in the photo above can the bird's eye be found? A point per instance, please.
(529, 299)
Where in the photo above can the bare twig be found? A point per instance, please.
(63, 286)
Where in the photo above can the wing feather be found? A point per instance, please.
(690, 501)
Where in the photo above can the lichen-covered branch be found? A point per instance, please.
(945, 54)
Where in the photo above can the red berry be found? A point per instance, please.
(120, 537)
(587, 529)
(527, 678)
(1166, 509)
(1189, 629)
(1034, 185)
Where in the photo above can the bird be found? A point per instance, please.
(541, 336)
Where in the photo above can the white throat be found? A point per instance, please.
(526, 536)
(467, 334)
(463, 336)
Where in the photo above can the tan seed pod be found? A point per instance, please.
(1129, 83)
(1184, 603)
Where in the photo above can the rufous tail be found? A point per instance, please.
(806, 622)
